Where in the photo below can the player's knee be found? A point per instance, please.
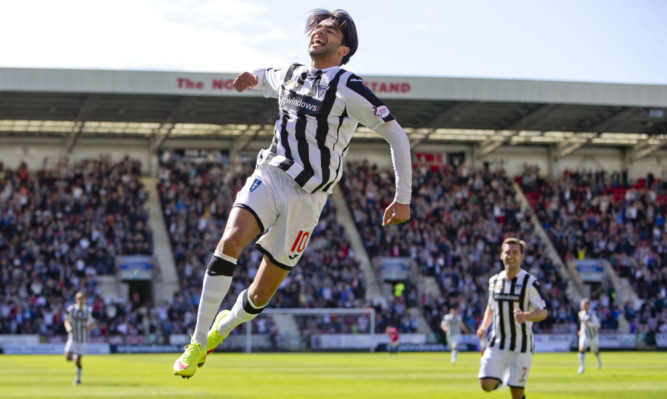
(231, 244)
(488, 385)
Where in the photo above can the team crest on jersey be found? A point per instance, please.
(255, 184)
(381, 112)
(321, 89)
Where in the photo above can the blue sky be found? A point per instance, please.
(567, 40)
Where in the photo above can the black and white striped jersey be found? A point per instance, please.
(453, 324)
(79, 318)
(522, 292)
(319, 110)
(591, 330)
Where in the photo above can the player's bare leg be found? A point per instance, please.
(597, 355)
(582, 360)
(253, 300)
(78, 370)
(517, 393)
(69, 356)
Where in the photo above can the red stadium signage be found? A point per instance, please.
(189, 84)
(186, 83)
(223, 84)
(214, 84)
(389, 87)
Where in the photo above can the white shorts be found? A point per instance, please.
(495, 362)
(585, 342)
(453, 342)
(285, 212)
(78, 348)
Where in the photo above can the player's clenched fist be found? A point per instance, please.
(520, 316)
(396, 213)
(245, 81)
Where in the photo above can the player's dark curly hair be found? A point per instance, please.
(342, 21)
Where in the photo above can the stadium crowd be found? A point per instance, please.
(460, 217)
(61, 227)
(596, 215)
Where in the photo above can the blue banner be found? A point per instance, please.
(135, 267)
(394, 269)
(590, 270)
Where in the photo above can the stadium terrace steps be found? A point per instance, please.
(167, 281)
(575, 290)
(344, 218)
(624, 293)
(429, 286)
(110, 287)
(376, 290)
(286, 325)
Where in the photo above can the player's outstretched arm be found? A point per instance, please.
(399, 210)
(245, 81)
(486, 322)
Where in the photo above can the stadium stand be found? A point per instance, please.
(60, 229)
(75, 113)
(606, 216)
(460, 217)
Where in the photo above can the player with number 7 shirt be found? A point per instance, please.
(319, 108)
(515, 303)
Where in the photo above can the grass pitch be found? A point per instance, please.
(636, 375)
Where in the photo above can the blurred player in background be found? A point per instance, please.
(320, 106)
(78, 322)
(515, 303)
(394, 340)
(452, 324)
(588, 334)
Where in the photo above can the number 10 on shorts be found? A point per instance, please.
(300, 242)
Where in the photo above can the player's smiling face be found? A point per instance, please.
(325, 40)
(511, 256)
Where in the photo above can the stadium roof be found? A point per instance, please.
(168, 107)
